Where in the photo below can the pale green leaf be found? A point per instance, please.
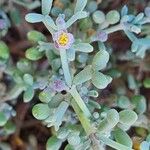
(28, 79)
(34, 17)
(33, 54)
(80, 5)
(53, 143)
(75, 17)
(83, 47)
(139, 103)
(83, 76)
(41, 111)
(3, 119)
(46, 96)
(4, 50)
(74, 139)
(122, 137)
(128, 117)
(62, 133)
(35, 36)
(49, 21)
(71, 54)
(123, 102)
(111, 120)
(100, 60)
(112, 116)
(46, 6)
(59, 114)
(100, 80)
(28, 94)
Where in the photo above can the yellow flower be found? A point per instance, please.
(63, 39)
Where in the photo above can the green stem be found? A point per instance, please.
(114, 29)
(65, 67)
(51, 30)
(83, 119)
(114, 144)
(78, 104)
(73, 91)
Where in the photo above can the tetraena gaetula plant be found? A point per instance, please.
(71, 82)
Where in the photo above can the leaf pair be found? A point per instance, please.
(52, 117)
(91, 72)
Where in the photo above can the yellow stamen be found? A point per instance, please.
(63, 39)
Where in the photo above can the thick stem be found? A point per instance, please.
(73, 91)
(114, 29)
(95, 143)
(83, 119)
(48, 27)
(114, 144)
(77, 103)
(65, 67)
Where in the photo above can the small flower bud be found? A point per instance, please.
(102, 36)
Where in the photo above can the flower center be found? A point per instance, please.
(63, 39)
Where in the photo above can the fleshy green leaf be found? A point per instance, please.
(122, 137)
(40, 111)
(93, 93)
(100, 80)
(139, 102)
(28, 94)
(80, 5)
(35, 36)
(83, 76)
(4, 50)
(147, 83)
(34, 17)
(131, 82)
(28, 79)
(3, 119)
(124, 10)
(98, 17)
(33, 54)
(46, 6)
(46, 96)
(112, 117)
(128, 117)
(123, 102)
(71, 54)
(69, 147)
(49, 21)
(100, 60)
(56, 100)
(62, 133)
(59, 114)
(75, 17)
(83, 47)
(24, 65)
(94, 104)
(73, 139)
(92, 6)
(53, 143)
(111, 120)
(113, 17)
